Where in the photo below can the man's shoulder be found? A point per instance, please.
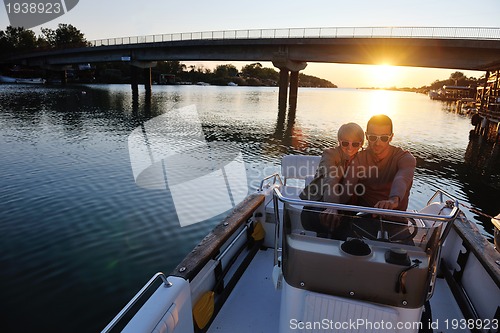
(402, 154)
(398, 151)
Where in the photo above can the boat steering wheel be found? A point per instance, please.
(403, 234)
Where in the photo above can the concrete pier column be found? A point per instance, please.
(146, 66)
(147, 80)
(294, 89)
(134, 80)
(283, 88)
(64, 77)
(281, 61)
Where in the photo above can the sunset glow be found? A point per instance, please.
(380, 76)
(384, 76)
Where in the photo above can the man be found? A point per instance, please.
(385, 172)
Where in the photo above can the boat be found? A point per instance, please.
(8, 79)
(452, 93)
(258, 270)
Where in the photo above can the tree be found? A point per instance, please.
(64, 35)
(256, 70)
(252, 70)
(17, 39)
(171, 67)
(312, 81)
(457, 78)
(226, 71)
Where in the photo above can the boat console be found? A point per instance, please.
(378, 271)
(384, 266)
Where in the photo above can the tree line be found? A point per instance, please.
(19, 39)
(455, 79)
(250, 75)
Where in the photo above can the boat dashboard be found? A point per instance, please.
(382, 256)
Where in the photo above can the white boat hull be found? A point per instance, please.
(7, 79)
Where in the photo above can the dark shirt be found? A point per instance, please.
(377, 180)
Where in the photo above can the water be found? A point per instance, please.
(78, 237)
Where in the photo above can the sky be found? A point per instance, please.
(99, 19)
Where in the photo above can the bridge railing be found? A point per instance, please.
(338, 32)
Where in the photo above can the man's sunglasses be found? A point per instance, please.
(353, 144)
(373, 138)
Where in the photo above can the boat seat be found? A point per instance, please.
(301, 167)
(296, 172)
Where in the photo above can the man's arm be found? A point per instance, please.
(401, 183)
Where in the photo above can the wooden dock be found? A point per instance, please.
(487, 117)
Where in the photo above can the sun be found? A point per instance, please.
(384, 75)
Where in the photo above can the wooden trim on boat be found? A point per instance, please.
(209, 247)
(482, 249)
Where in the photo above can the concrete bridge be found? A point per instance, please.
(291, 49)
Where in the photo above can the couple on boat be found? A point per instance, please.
(379, 176)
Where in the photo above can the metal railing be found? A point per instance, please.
(475, 33)
(135, 299)
(454, 211)
(371, 210)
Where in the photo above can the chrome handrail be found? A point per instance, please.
(134, 300)
(275, 177)
(441, 192)
(370, 210)
(277, 231)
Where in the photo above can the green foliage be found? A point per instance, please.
(257, 72)
(64, 35)
(170, 67)
(23, 40)
(455, 79)
(17, 39)
(313, 81)
(226, 71)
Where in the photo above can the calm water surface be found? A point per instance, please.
(78, 237)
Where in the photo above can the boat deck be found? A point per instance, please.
(253, 306)
(445, 310)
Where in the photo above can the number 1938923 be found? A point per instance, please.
(34, 8)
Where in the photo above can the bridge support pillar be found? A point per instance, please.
(64, 77)
(283, 89)
(280, 60)
(147, 80)
(146, 66)
(134, 81)
(294, 89)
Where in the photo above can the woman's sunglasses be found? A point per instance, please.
(373, 138)
(353, 144)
